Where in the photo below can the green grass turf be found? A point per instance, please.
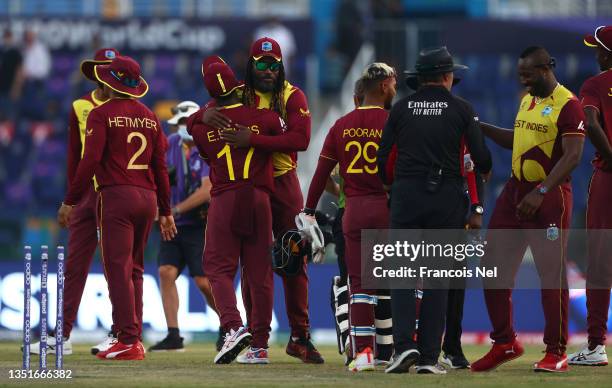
(194, 367)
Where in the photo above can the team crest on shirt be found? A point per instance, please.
(547, 110)
(266, 46)
(552, 233)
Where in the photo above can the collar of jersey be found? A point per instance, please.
(231, 106)
(93, 97)
(370, 107)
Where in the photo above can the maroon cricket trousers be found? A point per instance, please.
(226, 246)
(361, 313)
(549, 256)
(599, 268)
(287, 201)
(125, 216)
(82, 243)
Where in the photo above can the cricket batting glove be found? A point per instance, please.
(309, 229)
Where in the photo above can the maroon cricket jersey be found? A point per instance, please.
(352, 143)
(232, 167)
(596, 92)
(124, 145)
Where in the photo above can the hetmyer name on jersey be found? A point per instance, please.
(427, 108)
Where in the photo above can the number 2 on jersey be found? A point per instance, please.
(143, 146)
(230, 165)
(362, 151)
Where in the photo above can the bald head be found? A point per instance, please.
(538, 57)
(535, 70)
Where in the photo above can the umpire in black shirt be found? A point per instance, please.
(427, 193)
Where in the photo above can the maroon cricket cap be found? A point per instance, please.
(266, 47)
(601, 38)
(123, 76)
(102, 56)
(209, 61)
(220, 80)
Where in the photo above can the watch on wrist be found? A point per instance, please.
(542, 189)
(174, 211)
(477, 209)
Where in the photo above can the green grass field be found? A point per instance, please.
(194, 367)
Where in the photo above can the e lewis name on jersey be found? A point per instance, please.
(427, 108)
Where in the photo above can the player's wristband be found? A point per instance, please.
(309, 212)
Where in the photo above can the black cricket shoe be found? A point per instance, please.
(169, 344)
(402, 362)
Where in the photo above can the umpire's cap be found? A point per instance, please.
(433, 61)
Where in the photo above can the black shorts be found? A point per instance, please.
(186, 249)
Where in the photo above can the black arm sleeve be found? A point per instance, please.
(480, 188)
(386, 142)
(475, 142)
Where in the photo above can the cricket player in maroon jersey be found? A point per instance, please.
(239, 217)
(125, 148)
(82, 230)
(265, 87)
(596, 98)
(352, 143)
(546, 145)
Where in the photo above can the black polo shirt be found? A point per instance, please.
(427, 128)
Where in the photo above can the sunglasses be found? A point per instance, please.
(552, 63)
(129, 82)
(263, 66)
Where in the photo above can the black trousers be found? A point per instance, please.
(413, 207)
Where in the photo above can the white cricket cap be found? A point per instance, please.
(183, 110)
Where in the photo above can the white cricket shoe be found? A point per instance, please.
(364, 361)
(109, 341)
(235, 342)
(35, 347)
(595, 357)
(254, 356)
(436, 369)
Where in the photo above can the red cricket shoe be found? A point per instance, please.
(304, 350)
(551, 363)
(121, 351)
(499, 354)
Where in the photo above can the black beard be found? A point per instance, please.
(263, 87)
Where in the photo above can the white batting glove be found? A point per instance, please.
(309, 229)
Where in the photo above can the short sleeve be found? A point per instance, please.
(589, 95)
(571, 119)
